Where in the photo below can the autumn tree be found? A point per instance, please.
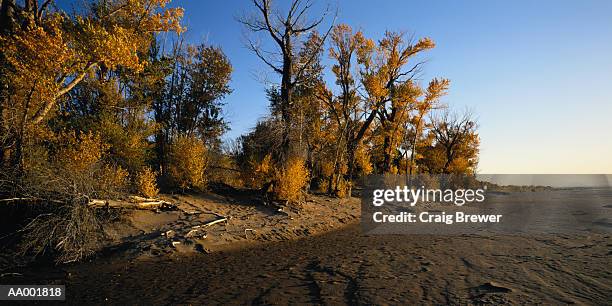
(46, 53)
(190, 102)
(387, 76)
(73, 115)
(345, 108)
(416, 125)
(455, 144)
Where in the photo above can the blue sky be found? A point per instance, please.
(537, 73)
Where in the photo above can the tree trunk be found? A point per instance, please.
(387, 155)
(7, 13)
(286, 100)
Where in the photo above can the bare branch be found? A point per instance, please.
(316, 53)
(259, 52)
(264, 8)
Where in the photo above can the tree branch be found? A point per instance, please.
(41, 113)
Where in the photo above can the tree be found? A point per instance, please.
(46, 53)
(190, 103)
(390, 92)
(455, 144)
(346, 109)
(436, 88)
(286, 31)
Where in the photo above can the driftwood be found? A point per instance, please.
(31, 199)
(246, 230)
(207, 224)
(134, 203)
(214, 213)
(20, 199)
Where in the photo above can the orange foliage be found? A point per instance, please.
(187, 162)
(146, 183)
(79, 153)
(291, 180)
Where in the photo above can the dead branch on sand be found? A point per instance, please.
(211, 223)
(134, 203)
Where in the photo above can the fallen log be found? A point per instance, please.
(214, 213)
(138, 199)
(150, 205)
(32, 200)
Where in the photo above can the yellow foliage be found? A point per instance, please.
(291, 180)
(259, 172)
(112, 179)
(79, 153)
(362, 159)
(48, 57)
(146, 183)
(327, 168)
(187, 162)
(343, 188)
(265, 167)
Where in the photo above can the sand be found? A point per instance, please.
(345, 267)
(317, 254)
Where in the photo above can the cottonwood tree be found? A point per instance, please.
(415, 126)
(345, 109)
(46, 53)
(287, 31)
(192, 104)
(455, 144)
(387, 75)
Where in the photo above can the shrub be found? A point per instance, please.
(65, 224)
(187, 162)
(78, 160)
(343, 189)
(59, 187)
(72, 230)
(362, 160)
(258, 172)
(109, 181)
(79, 152)
(146, 183)
(291, 180)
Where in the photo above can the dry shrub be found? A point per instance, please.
(291, 180)
(146, 183)
(59, 188)
(187, 162)
(71, 230)
(64, 226)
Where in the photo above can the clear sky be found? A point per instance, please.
(537, 73)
